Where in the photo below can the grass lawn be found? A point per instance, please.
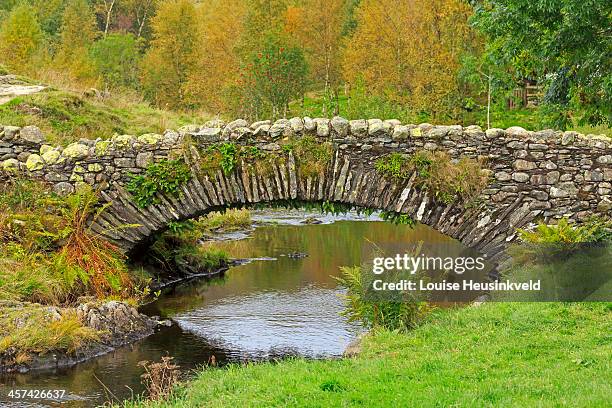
(498, 354)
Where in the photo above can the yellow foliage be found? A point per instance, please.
(409, 50)
(77, 34)
(20, 38)
(220, 28)
(171, 58)
(317, 26)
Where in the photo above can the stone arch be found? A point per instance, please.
(347, 180)
(546, 174)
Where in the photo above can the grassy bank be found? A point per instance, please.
(50, 262)
(34, 328)
(498, 354)
(66, 116)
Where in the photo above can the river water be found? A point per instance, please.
(283, 302)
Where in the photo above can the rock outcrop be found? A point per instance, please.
(116, 323)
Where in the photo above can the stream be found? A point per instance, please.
(282, 302)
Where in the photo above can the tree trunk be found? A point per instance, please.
(489, 103)
(109, 12)
(337, 107)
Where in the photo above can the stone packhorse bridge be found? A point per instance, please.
(533, 175)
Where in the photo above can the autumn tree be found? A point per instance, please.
(217, 67)
(318, 25)
(409, 51)
(106, 10)
(49, 14)
(20, 38)
(77, 34)
(172, 56)
(263, 17)
(141, 12)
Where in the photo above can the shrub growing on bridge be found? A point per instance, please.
(311, 155)
(446, 179)
(163, 177)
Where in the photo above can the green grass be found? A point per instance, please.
(498, 354)
(232, 219)
(65, 117)
(530, 119)
(31, 329)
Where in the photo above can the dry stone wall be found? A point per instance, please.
(545, 174)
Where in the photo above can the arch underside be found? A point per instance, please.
(483, 226)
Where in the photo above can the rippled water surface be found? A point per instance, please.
(283, 302)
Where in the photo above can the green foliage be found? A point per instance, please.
(229, 220)
(252, 153)
(397, 218)
(397, 314)
(565, 45)
(47, 252)
(422, 162)
(311, 155)
(64, 117)
(550, 242)
(165, 177)
(221, 156)
(334, 208)
(32, 330)
(594, 230)
(171, 56)
(393, 165)
(180, 247)
(363, 104)
(274, 75)
(77, 33)
(117, 59)
(228, 156)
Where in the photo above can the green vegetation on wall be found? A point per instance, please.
(446, 179)
(311, 155)
(164, 177)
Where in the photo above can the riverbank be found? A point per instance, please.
(48, 337)
(501, 354)
(65, 295)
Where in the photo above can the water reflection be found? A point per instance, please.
(263, 309)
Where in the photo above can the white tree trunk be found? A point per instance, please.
(489, 103)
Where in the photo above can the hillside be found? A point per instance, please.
(66, 116)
